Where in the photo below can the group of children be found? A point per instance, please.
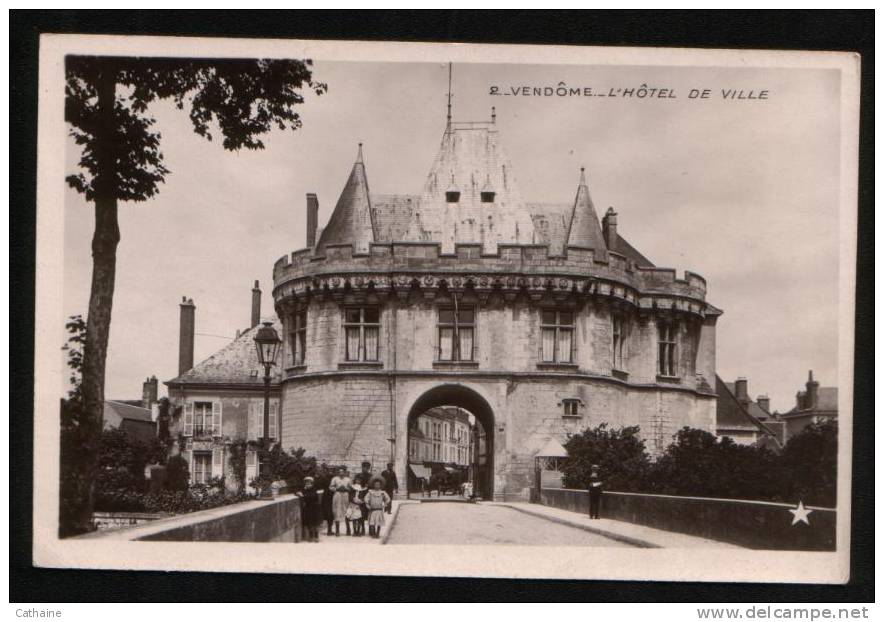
(353, 501)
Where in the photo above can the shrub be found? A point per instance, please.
(619, 452)
(177, 473)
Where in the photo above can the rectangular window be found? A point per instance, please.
(298, 336)
(571, 408)
(203, 421)
(456, 332)
(557, 330)
(667, 342)
(619, 328)
(202, 467)
(362, 328)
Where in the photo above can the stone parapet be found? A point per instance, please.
(514, 270)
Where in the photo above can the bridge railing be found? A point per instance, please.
(753, 524)
(277, 520)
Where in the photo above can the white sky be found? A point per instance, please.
(744, 193)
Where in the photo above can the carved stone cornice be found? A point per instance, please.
(361, 287)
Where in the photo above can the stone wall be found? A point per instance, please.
(346, 417)
(753, 524)
(277, 520)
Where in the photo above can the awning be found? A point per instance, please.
(552, 449)
(419, 471)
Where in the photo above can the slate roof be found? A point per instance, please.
(236, 363)
(827, 401)
(730, 414)
(584, 230)
(470, 161)
(115, 411)
(352, 220)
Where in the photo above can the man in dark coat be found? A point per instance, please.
(595, 492)
(311, 513)
(391, 484)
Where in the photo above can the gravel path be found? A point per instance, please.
(468, 523)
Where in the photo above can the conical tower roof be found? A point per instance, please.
(351, 222)
(585, 230)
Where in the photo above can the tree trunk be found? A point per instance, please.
(104, 258)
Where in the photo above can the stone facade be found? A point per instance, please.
(531, 352)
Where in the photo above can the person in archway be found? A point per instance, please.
(595, 492)
(341, 485)
(391, 484)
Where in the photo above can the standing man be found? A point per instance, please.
(391, 484)
(595, 491)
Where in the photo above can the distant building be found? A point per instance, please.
(743, 420)
(135, 417)
(441, 435)
(815, 404)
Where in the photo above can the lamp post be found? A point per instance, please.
(267, 344)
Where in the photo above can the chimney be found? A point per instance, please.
(312, 219)
(186, 335)
(812, 391)
(764, 403)
(609, 228)
(256, 305)
(149, 390)
(741, 390)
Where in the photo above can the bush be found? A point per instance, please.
(698, 464)
(177, 474)
(620, 454)
(289, 467)
(199, 497)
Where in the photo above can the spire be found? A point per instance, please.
(584, 230)
(351, 222)
(448, 123)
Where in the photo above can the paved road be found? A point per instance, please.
(468, 523)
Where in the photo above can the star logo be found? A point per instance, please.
(799, 514)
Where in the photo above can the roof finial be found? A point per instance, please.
(359, 155)
(582, 176)
(448, 124)
(493, 114)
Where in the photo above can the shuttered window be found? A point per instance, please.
(256, 419)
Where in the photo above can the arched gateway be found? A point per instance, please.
(479, 461)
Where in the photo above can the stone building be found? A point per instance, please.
(535, 317)
(220, 401)
(815, 404)
(442, 435)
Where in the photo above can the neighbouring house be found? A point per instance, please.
(743, 420)
(138, 418)
(441, 435)
(815, 404)
(221, 400)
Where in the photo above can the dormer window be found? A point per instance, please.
(487, 192)
(452, 195)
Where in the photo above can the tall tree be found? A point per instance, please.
(106, 107)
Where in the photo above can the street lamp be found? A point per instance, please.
(267, 344)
